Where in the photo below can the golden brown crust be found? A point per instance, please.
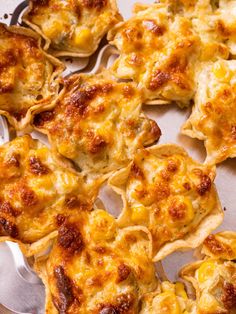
(98, 123)
(36, 189)
(162, 46)
(220, 245)
(165, 190)
(170, 201)
(109, 272)
(228, 297)
(72, 28)
(214, 277)
(28, 76)
(139, 41)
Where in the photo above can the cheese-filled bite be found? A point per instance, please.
(172, 195)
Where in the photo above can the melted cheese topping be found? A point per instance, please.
(161, 48)
(214, 115)
(72, 27)
(214, 278)
(96, 268)
(35, 189)
(166, 191)
(221, 245)
(27, 74)
(217, 288)
(221, 24)
(172, 299)
(98, 123)
(213, 20)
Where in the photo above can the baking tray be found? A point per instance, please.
(21, 291)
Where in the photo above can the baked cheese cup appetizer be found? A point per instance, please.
(72, 28)
(28, 76)
(221, 24)
(161, 47)
(214, 276)
(98, 123)
(36, 187)
(158, 50)
(172, 195)
(96, 268)
(213, 118)
(170, 299)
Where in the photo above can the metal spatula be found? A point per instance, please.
(21, 290)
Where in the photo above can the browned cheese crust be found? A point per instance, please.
(221, 245)
(95, 268)
(28, 76)
(162, 45)
(172, 195)
(214, 278)
(98, 123)
(36, 187)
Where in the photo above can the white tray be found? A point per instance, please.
(20, 289)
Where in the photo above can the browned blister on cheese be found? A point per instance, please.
(37, 189)
(214, 277)
(162, 46)
(94, 267)
(98, 123)
(28, 76)
(171, 194)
